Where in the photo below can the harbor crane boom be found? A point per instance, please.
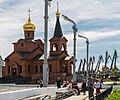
(83, 68)
(98, 63)
(114, 59)
(89, 64)
(93, 61)
(81, 62)
(107, 58)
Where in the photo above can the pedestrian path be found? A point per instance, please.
(84, 97)
(79, 97)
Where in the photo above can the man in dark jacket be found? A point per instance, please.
(58, 82)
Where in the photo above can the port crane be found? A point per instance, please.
(107, 58)
(114, 71)
(81, 62)
(91, 69)
(83, 68)
(98, 65)
(105, 70)
(80, 73)
(114, 60)
(89, 64)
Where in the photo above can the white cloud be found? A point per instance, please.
(1, 1)
(95, 35)
(92, 35)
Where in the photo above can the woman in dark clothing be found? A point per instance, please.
(84, 87)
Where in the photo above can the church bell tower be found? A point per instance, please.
(29, 29)
(58, 43)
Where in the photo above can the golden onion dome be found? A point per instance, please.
(29, 26)
(57, 13)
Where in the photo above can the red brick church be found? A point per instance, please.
(27, 58)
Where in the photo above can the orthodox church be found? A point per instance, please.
(27, 58)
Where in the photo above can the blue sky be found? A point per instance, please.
(98, 20)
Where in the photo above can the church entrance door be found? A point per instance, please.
(14, 71)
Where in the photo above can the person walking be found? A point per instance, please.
(97, 86)
(58, 82)
(75, 86)
(41, 83)
(91, 87)
(101, 83)
(84, 87)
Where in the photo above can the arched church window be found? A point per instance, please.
(8, 69)
(50, 68)
(28, 34)
(63, 47)
(70, 67)
(33, 35)
(38, 44)
(28, 68)
(55, 47)
(22, 44)
(36, 68)
(20, 69)
(64, 68)
(41, 68)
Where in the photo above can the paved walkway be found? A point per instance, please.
(80, 97)
(74, 97)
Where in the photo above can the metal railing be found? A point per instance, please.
(102, 95)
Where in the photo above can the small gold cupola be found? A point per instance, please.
(57, 13)
(29, 26)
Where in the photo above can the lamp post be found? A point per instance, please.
(45, 65)
(87, 41)
(74, 27)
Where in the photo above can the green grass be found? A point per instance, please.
(109, 80)
(115, 95)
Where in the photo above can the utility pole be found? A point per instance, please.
(87, 42)
(74, 27)
(45, 65)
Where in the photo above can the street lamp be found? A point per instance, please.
(45, 65)
(87, 41)
(74, 27)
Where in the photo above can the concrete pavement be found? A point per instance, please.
(79, 97)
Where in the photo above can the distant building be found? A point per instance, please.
(27, 58)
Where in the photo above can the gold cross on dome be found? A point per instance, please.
(29, 11)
